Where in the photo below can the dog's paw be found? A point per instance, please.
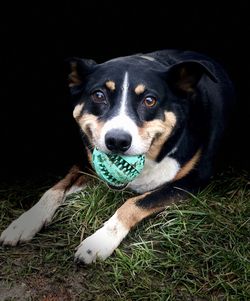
(102, 243)
(99, 245)
(25, 227)
(22, 229)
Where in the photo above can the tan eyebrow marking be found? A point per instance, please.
(139, 89)
(110, 85)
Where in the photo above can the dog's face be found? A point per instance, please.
(130, 105)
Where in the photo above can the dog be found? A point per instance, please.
(171, 105)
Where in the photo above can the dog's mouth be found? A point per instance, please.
(117, 187)
(117, 171)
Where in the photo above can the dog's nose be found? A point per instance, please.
(118, 140)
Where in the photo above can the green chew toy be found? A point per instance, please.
(117, 170)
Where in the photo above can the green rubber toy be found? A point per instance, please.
(117, 170)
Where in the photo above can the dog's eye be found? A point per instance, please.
(99, 97)
(150, 101)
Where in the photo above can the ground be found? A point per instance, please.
(197, 250)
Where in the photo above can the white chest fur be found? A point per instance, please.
(155, 174)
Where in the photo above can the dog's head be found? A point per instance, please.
(131, 105)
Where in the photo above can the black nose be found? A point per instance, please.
(118, 140)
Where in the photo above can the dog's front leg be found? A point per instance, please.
(30, 222)
(105, 240)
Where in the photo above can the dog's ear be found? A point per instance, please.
(183, 77)
(78, 69)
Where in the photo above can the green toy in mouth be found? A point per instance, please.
(117, 170)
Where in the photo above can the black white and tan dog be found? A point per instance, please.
(171, 105)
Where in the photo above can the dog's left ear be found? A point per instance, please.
(79, 68)
(183, 77)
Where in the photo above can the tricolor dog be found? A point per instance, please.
(170, 105)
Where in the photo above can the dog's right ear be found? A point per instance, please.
(78, 69)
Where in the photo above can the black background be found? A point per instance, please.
(38, 134)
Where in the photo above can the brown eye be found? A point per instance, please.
(150, 101)
(99, 97)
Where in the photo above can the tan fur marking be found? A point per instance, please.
(73, 76)
(159, 131)
(77, 111)
(81, 181)
(89, 154)
(139, 89)
(89, 124)
(129, 214)
(185, 82)
(68, 180)
(188, 166)
(91, 127)
(110, 85)
(86, 120)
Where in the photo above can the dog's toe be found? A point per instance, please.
(79, 262)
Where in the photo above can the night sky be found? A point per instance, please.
(38, 133)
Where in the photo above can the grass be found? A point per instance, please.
(197, 250)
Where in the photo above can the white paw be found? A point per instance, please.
(99, 245)
(102, 243)
(30, 222)
(22, 229)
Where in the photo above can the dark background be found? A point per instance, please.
(38, 134)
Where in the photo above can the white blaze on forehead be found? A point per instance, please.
(123, 121)
(125, 87)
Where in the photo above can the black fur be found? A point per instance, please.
(202, 111)
(170, 105)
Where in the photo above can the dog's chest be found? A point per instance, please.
(155, 174)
